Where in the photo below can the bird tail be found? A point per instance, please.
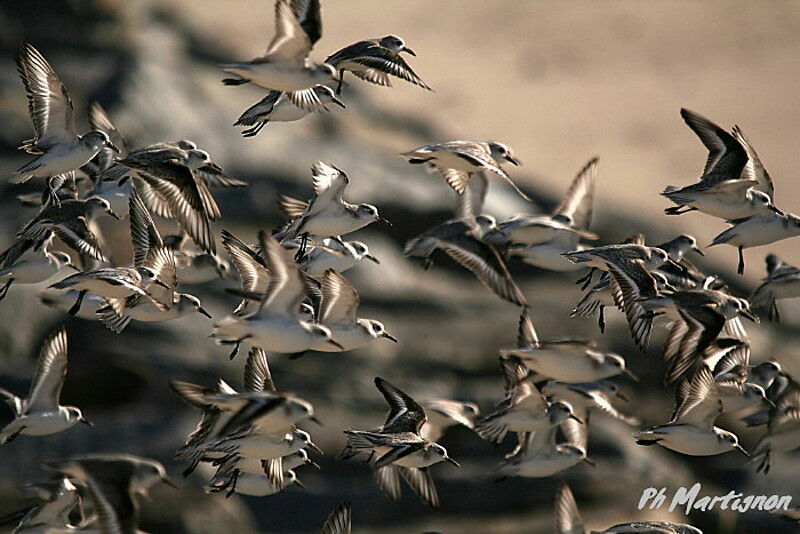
(491, 430)
(420, 247)
(763, 302)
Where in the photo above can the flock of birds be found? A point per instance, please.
(295, 299)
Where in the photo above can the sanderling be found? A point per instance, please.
(783, 432)
(40, 414)
(20, 264)
(230, 477)
(374, 60)
(277, 324)
(461, 239)
(732, 376)
(541, 240)
(398, 446)
(59, 149)
(195, 266)
(571, 360)
(584, 396)
(334, 253)
(112, 484)
(444, 413)
(174, 188)
(782, 282)
(538, 455)
(275, 107)
(679, 271)
(758, 230)
(456, 161)
(723, 190)
(691, 430)
(338, 310)
(69, 221)
(253, 273)
(150, 252)
(599, 258)
(285, 65)
(525, 408)
(327, 213)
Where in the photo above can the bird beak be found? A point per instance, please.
(202, 311)
(113, 147)
(314, 448)
(169, 482)
(384, 221)
(698, 250)
(447, 458)
(513, 160)
(407, 50)
(336, 344)
(112, 214)
(312, 463)
(213, 166)
(297, 481)
(313, 419)
(741, 449)
(589, 461)
(749, 315)
(338, 102)
(622, 396)
(158, 282)
(373, 259)
(73, 266)
(389, 336)
(576, 418)
(86, 421)
(630, 374)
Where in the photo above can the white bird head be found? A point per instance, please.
(502, 152)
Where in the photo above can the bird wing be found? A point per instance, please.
(329, 183)
(253, 272)
(339, 520)
(51, 370)
(298, 25)
(340, 299)
(49, 103)
(567, 517)
(458, 180)
(405, 414)
(576, 205)
(726, 155)
(286, 289)
(526, 333)
(144, 235)
(75, 233)
(381, 59)
(256, 371)
(421, 483)
(702, 403)
(754, 169)
(470, 202)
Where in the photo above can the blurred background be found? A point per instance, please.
(559, 82)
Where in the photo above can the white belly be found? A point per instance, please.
(350, 337)
(546, 256)
(689, 440)
(322, 261)
(275, 76)
(32, 271)
(285, 111)
(279, 335)
(545, 465)
(61, 161)
(334, 224)
(42, 424)
(255, 485)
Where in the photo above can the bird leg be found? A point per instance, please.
(232, 483)
(302, 250)
(341, 81)
(740, 268)
(4, 290)
(601, 321)
(77, 306)
(676, 210)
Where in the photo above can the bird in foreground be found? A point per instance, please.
(338, 311)
(21, 264)
(327, 213)
(462, 240)
(542, 240)
(150, 252)
(276, 107)
(568, 520)
(601, 258)
(246, 476)
(732, 374)
(113, 484)
(691, 430)
(585, 397)
(285, 66)
(457, 161)
(374, 61)
(276, 324)
(397, 448)
(782, 282)
(59, 150)
(733, 184)
(40, 414)
(758, 230)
